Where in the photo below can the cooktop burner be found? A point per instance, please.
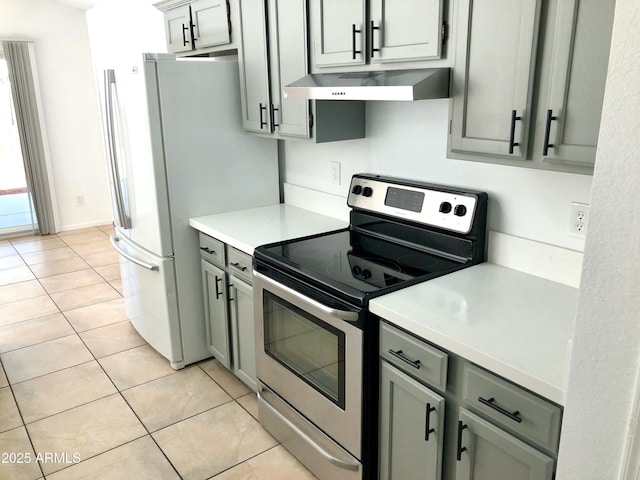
(399, 233)
(352, 260)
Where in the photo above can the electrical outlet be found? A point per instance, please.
(335, 173)
(578, 220)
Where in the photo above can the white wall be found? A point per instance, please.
(140, 28)
(408, 140)
(605, 365)
(69, 105)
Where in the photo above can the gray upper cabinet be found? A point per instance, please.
(570, 108)
(177, 27)
(254, 67)
(272, 54)
(485, 452)
(339, 32)
(210, 19)
(403, 30)
(194, 27)
(535, 101)
(493, 77)
(411, 428)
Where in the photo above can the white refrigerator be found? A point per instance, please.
(176, 150)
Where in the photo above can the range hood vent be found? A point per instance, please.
(403, 85)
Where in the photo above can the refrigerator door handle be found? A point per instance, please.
(110, 84)
(149, 266)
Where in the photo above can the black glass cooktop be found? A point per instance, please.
(355, 264)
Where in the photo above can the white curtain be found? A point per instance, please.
(28, 120)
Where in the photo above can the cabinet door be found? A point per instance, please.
(569, 120)
(177, 26)
(339, 32)
(210, 23)
(288, 45)
(254, 67)
(488, 453)
(405, 30)
(215, 312)
(411, 428)
(242, 331)
(493, 77)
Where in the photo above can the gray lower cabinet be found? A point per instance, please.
(411, 427)
(242, 331)
(272, 54)
(228, 297)
(534, 98)
(214, 281)
(486, 452)
(442, 417)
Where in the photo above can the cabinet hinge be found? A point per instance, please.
(310, 119)
(444, 32)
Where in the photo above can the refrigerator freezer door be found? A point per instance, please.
(149, 288)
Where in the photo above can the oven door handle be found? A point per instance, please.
(345, 315)
(347, 465)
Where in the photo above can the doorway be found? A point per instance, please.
(16, 208)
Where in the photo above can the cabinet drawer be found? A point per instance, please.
(212, 250)
(240, 264)
(414, 356)
(512, 407)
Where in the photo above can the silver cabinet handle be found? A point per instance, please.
(149, 266)
(336, 461)
(333, 312)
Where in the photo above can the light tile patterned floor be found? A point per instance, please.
(77, 383)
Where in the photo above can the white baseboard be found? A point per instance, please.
(79, 226)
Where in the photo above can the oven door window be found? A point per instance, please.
(307, 346)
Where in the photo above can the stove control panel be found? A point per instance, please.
(440, 207)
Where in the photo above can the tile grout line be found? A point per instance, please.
(24, 425)
(118, 390)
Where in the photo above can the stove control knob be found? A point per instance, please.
(445, 207)
(356, 270)
(356, 190)
(365, 274)
(367, 191)
(460, 210)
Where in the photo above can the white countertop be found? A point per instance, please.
(247, 229)
(514, 324)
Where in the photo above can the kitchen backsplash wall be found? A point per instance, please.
(409, 140)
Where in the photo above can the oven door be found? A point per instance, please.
(311, 356)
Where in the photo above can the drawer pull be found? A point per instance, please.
(237, 266)
(398, 354)
(491, 403)
(427, 423)
(208, 250)
(460, 449)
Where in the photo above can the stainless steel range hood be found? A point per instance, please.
(404, 85)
